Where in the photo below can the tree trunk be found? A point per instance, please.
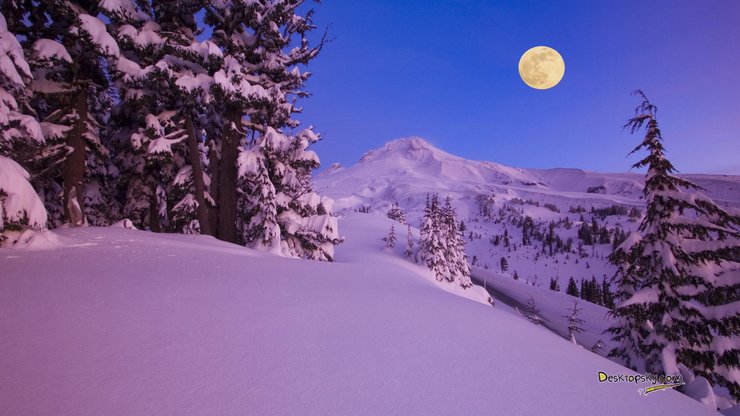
(200, 185)
(228, 178)
(74, 164)
(154, 223)
(214, 164)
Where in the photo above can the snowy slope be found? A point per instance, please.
(124, 322)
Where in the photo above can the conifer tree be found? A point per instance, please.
(396, 213)
(432, 246)
(163, 73)
(20, 136)
(409, 244)
(257, 88)
(575, 323)
(72, 98)
(532, 313)
(572, 288)
(390, 240)
(677, 275)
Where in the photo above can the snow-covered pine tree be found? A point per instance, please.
(575, 323)
(260, 205)
(455, 244)
(396, 213)
(432, 247)
(20, 136)
(390, 239)
(259, 79)
(20, 132)
(409, 252)
(307, 227)
(69, 45)
(163, 74)
(677, 276)
(532, 312)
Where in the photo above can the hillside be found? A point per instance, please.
(123, 322)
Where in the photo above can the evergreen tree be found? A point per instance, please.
(677, 275)
(572, 288)
(163, 74)
(432, 246)
(585, 234)
(532, 313)
(606, 293)
(390, 240)
(575, 323)
(256, 89)
(442, 246)
(20, 135)
(72, 97)
(409, 244)
(396, 213)
(504, 264)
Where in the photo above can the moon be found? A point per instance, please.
(541, 67)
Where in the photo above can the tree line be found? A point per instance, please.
(178, 115)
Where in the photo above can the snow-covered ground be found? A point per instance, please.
(124, 322)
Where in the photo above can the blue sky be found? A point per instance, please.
(447, 71)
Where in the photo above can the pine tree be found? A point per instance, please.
(677, 275)
(409, 244)
(20, 135)
(532, 313)
(455, 243)
(259, 206)
(442, 247)
(396, 213)
(572, 288)
(257, 88)
(432, 246)
(163, 73)
(390, 240)
(504, 264)
(72, 98)
(606, 293)
(575, 324)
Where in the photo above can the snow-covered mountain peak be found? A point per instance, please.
(412, 148)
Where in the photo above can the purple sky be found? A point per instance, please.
(447, 71)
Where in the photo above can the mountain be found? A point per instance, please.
(497, 201)
(410, 167)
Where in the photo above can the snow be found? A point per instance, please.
(11, 55)
(125, 322)
(50, 49)
(20, 200)
(95, 28)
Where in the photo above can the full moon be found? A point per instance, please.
(541, 67)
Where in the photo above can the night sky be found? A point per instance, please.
(447, 71)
